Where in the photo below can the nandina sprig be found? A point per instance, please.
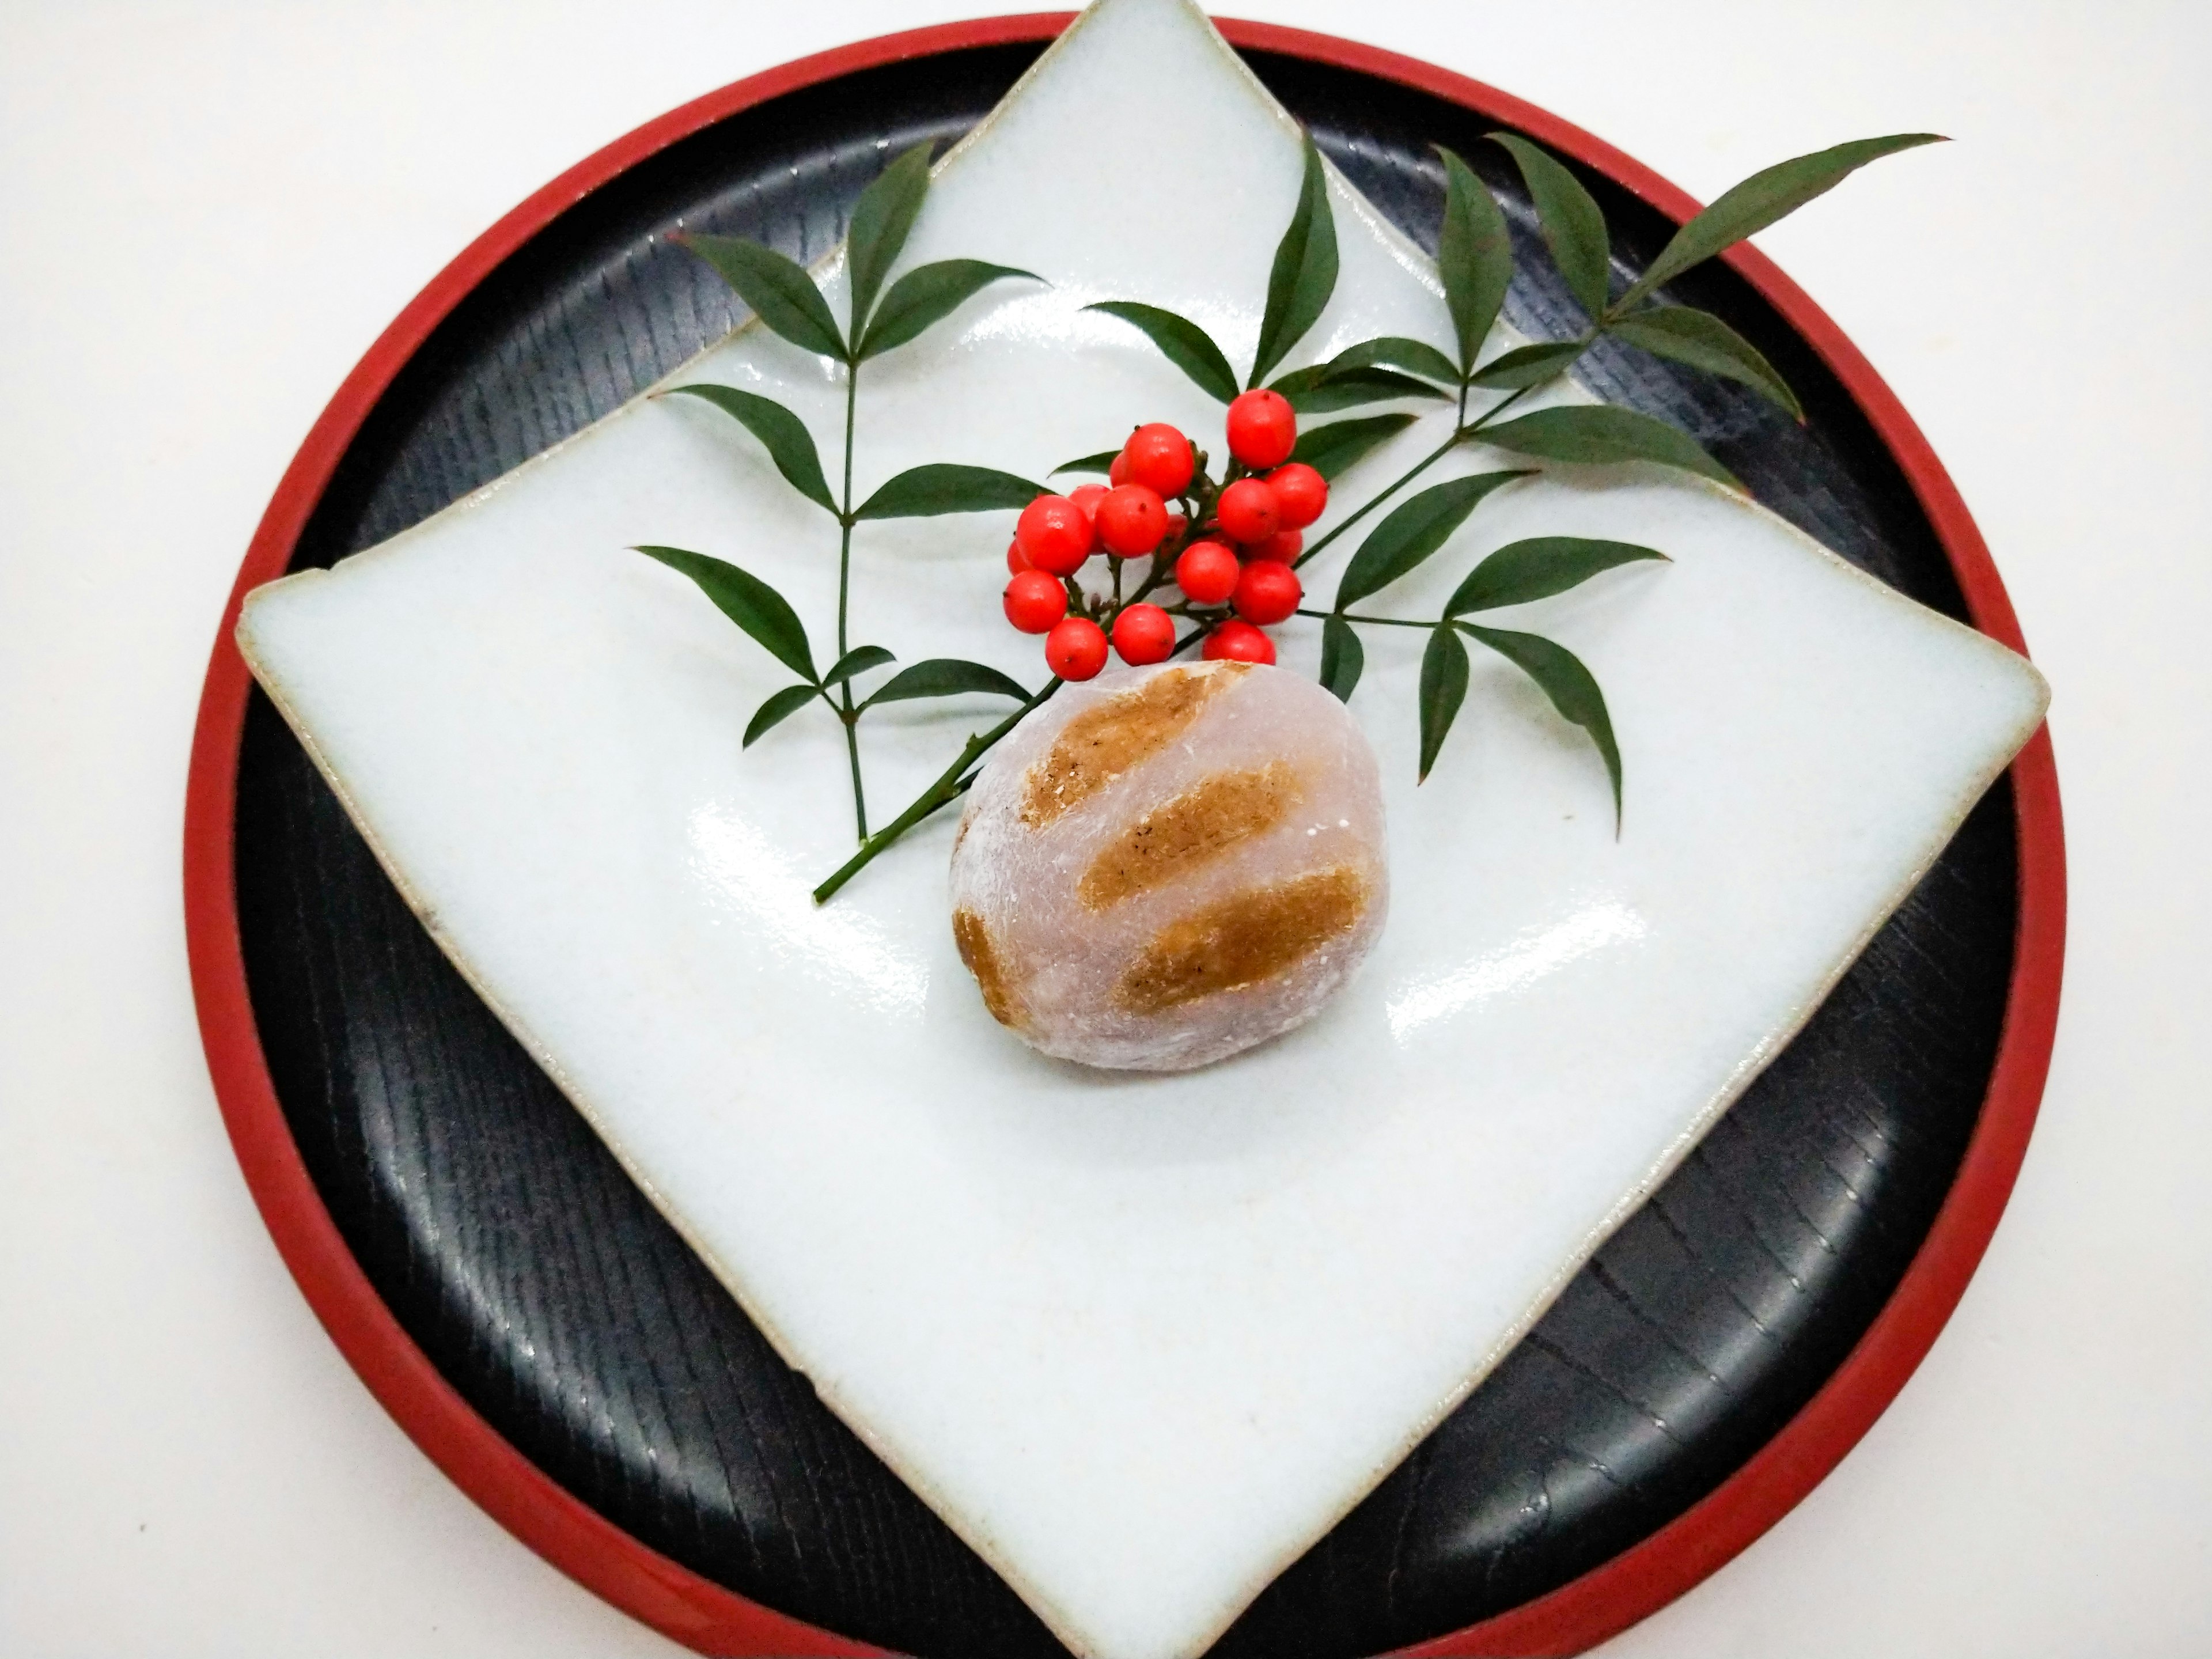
(787, 301)
(1236, 567)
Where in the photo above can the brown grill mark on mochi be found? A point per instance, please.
(1181, 836)
(1243, 940)
(981, 953)
(1101, 744)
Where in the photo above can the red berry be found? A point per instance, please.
(1207, 573)
(1016, 562)
(1118, 473)
(1159, 457)
(1035, 601)
(1053, 535)
(1087, 496)
(1076, 648)
(1247, 511)
(1143, 633)
(1263, 428)
(1283, 547)
(1132, 520)
(1267, 592)
(1237, 641)
(1301, 494)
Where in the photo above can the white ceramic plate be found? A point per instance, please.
(1140, 1340)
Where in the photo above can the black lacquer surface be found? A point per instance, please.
(543, 1285)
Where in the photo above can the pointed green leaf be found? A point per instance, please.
(1761, 199)
(1598, 433)
(779, 292)
(946, 677)
(1395, 351)
(1101, 463)
(859, 660)
(781, 432)
(1332, 449)
(1324, 389)
(882, 219)
(1182, 342)
(748, 601)
(928, 293)
(1444, 688)
(1540, 567)
(1573, 224)
(1530, 365)
(776, 710)
(1475, 256)
(1703, 341)
(921, 492)
(1304, 272)
(1343, 659)
(1414, 529)
(1573, 691)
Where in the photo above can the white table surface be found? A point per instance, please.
(207, 212)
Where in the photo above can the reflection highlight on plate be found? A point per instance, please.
(1535, 954)
(745, 874)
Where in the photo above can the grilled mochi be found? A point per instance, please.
(1169, 864)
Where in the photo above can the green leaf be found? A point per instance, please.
(1332, 449)
(776, 710)
(1101, 463)
(1444, 688)
(1324, 388)
(946, 677)
(1761, 199)
(1540, 567)
(859, 660)
(1573, 224)
(1475, 256)
(1414, 529)
(748, 601)
(1703, 341)
(1395, 351)
(1182, 342)
(1342, 658)
(921, 492)
(1529, 365)
(1303, 275)
(1598, 433)
(1569, 686)
(882, 219)
(781, 432)
(780, 294)
(927, 293)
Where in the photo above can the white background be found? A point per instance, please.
(208, 210)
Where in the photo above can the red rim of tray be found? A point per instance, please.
(703, 1615)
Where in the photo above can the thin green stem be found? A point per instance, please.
(1384, 494)
(848, 712)
(1460, 433)
(950, 784)
(1354, 617)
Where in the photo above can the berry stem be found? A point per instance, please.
(951, 783)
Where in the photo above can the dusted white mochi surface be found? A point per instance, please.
(1166, 866)
(1141, 1339)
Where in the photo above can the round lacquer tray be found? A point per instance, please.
(544, 1334)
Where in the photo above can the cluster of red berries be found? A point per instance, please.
(1229, 548)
